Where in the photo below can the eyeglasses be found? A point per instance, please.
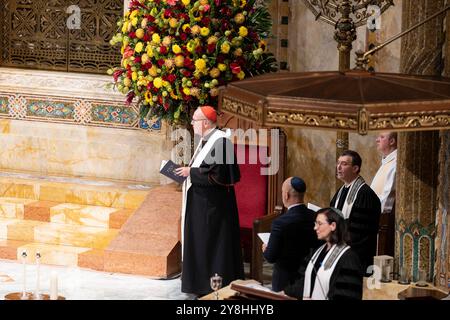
(193, 120)
(319, 223)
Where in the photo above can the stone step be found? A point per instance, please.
(56, 234)
(66, 213)
(85, 192)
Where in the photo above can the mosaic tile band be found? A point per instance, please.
(89, 112)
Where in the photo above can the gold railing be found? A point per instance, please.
(44, 34)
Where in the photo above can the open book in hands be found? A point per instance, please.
(168, 169)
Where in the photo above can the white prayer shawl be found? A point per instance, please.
(197, 159)
(385, 178)
(323, 275)
(352, 194)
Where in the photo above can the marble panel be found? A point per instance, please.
(13, 207)
(100, 153)
(70, 213)
(39, 210)
(119, 217)
(21, 230)
(77, 236)
(8, 248)
(311, 155)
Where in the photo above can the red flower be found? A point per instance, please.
(137, 59)
(211, 47)
(235, 68)
(163, 49)
(132, 34)
(160, 62)
(205, 21)
(171, 78)
(117, 74)
(183, 36)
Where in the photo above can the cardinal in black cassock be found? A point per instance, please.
(211, 222)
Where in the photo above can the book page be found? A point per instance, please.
(313, 207)
(264, 237)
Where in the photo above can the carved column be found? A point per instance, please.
(442, 277)
(417, 167)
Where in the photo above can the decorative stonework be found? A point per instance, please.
(80, 99)
(241, 109)
(416, 247)
(410, 121)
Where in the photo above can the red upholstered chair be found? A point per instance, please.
(251, 195)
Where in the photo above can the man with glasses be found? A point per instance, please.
(210, 221)
(360, 206)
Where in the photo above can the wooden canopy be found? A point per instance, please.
(354, 101)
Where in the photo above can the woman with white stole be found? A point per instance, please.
(333, 271)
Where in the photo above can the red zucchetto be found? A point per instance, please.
(209, 112)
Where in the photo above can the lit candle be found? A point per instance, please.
(24, 289)
(54, 287)
(37, 295)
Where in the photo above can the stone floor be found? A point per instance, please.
(82, 284)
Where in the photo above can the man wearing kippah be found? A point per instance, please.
(292, 236)
(210, 221)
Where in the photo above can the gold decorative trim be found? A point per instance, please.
(363, 121)
(242, 109)
(411, 121)
(314, 119)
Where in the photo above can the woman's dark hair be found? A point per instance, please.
(340, 234)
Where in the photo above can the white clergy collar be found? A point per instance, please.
(391, 156)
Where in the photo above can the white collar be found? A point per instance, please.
(350, 184)
(391, 156)
(294, 205)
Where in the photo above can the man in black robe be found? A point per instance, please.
(360, 206)
(211, 242)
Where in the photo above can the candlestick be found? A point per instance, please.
(24, 288)
(54, 287)
(37, 295)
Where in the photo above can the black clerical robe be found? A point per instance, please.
(346, 281)
(211, 229)
(362, 224)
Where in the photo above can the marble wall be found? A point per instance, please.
(81, 151)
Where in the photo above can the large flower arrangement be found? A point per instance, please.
(176, 53)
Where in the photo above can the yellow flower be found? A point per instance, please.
(176, 49)
(156, 38)
(200, 64)
(134, 13)
(192, 44)
(134, 76)
(149, 50)
(125, 27)
(173, 23)
(243, 31)
(214, 73)
(204, 31)
(153, 71)
(241, 75)
(186, 25)
(186, 91)
(140, 33)
(179, 61)
(148, 96)
(225, 47)
(158, 82)
(166, 41)
(222, 67)
(186, 2)
(145, 58)
(212, 39)
(127, 82)
(195, 29)
(239, 18)
(134, 22)
(139, 47)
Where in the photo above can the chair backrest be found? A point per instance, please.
(251, 191)
(251, 194)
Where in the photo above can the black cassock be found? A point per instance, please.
(362, 224)
(211, 228)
